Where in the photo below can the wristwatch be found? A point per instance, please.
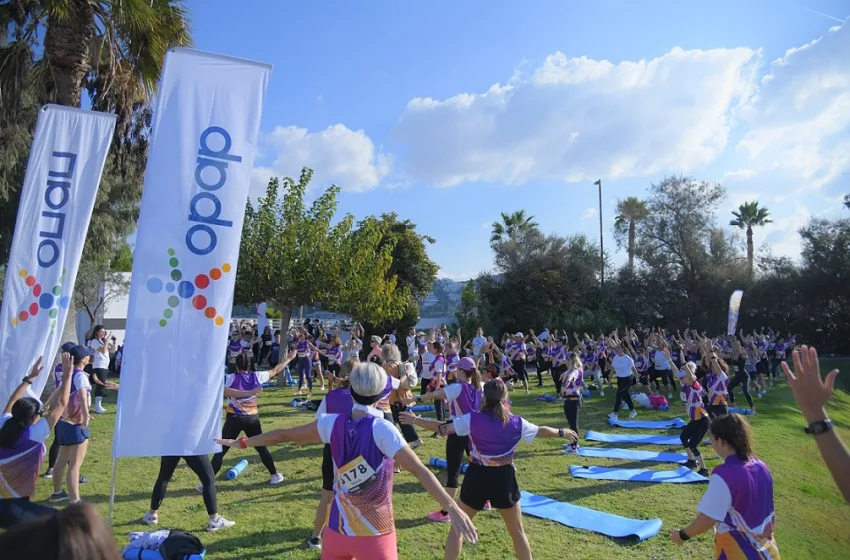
(819, 427)
(683, 535)
(27, 380)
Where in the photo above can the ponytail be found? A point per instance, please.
(474, 377)
(495, 393)
(24, 412)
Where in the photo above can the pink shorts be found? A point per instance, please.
(342, 547)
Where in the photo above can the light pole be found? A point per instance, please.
(598, 183)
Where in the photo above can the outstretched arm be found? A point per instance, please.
(308, 433)
(22, 388)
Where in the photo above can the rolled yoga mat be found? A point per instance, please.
(154, 554)
(682, 475)
(588, 519)
(632, 454)
(268, 384)
(739, 410)
(441, 464)
(237, 469)
(632, 438)
(421, 408)
(649, 424)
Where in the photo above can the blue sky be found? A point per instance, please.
(451, 112)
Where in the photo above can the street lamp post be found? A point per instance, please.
(598, 183)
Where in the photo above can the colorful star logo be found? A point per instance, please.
(43, 301)
(187, 290)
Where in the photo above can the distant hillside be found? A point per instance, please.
(444, 298)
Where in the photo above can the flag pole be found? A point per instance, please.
(112, 488)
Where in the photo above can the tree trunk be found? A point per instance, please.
(750, 252)
(285, 316)
(66, 47)
(631, 246)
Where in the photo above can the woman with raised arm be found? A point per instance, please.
(363, 447)
(693, 433)
(494, 433)
(571, 385)
(738, 503)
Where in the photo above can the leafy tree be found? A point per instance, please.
(122, 261)
(510, 226)
(847, 201)
(98, 285)
(292, 255)
(630, 212)
(748, 216)
(467, 318)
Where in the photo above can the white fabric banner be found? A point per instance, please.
(262, 320)
(205, 134)
(63, 172)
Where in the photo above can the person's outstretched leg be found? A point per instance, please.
(231, 430)
(253, 428)
(75, 463)
(160, 487)
(201, 466)
(454, 542)
(513, 521)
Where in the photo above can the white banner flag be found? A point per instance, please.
(734, 309)
(204, 139)
(262, 320)
(66, 161)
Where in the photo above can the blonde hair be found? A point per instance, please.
(575, 361)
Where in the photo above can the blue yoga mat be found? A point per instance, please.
(588, 519)
(151, 554)
(421, 408)
(237, 469)
(682, 475)
(632, 438)
(649, 424)
(632, 454)
(441, 464)
(739, 410)
(269, 384)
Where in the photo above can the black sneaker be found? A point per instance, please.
(690, 463)
(56, 497)
(83, 479)
(48, 474)
(314, 543)
(703, 472)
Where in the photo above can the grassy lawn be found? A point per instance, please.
(812, 518)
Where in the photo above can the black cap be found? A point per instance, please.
(79, 352)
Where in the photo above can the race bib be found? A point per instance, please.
(268, 343)
(357, 475)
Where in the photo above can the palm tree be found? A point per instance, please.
(510, 226)
(748, 216)
(629, 212)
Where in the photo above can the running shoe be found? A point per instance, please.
(199, 488)
(314, 542)
(771, 382)
(83, 480)
(570, 450)
(99, 410)
(633, 414)
(56, 497)
(759, 395)
(277, 478)
(613, 416)
(415, 444)
(690, 463)
(219, 523)
(48, 474)
(669, 395)
(438, 517)
(601, 393)
(150, 519)
(487, 506)
(704, 472)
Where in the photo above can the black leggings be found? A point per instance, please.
(537, 370)
(54, 450)
(456, 447)
(715, 410)
(519, 368)
(200, 465)
(624, 385)
(235, 425)
(571, 407)
(557, 372)
(693, 433)
(102, 375)
(741, 378)
(408, 431)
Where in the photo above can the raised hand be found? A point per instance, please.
(810, 392)
(226, 442)
(36, 369)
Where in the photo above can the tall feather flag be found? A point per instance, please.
(734, 308)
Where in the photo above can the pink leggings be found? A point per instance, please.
(342, 547)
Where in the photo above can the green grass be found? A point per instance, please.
(273, 522)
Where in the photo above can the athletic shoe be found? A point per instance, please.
(436, 436)
(752, 411)
(704, 472)
(690, 463)
(56, 497)
(314, 542)
(415, 444)
(83, 479)
(633, 414)
(540, 384)
(199, 488)
(487, 506)
(669, 396)
(771, 382)
(570, 450)
(277, 478)
(759, 395)
(99, 410)
(613, 416)
(396, 470)
(150, 518)
(219, 523)
(601, 393)
(438, 516)
(48, 474)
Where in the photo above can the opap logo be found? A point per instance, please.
(184, 290)
(46, 301)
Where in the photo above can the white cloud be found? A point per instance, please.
(782, 234)
(337, 154)
(578, 119)
(589, 213)
(739, 175)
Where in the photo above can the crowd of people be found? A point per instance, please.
(369, 433)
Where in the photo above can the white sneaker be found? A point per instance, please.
(759, 395)
(613, 416)
(150, 518)
(570, 451)
(633, 414)
(669, 396)
(99, 410)
(219, 523)
(277, 478)
(601, 393)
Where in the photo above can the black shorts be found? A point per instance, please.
(754, 375)
(762, 366)
(494, 484)
(327, 469)
(335, 369)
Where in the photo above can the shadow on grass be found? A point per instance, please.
(232, 548)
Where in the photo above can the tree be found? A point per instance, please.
(748, 216)
(847, 201)
(467, 318)
(97, 286)
(630, 212)
(510, 226)
(122, 261)
(291, 255)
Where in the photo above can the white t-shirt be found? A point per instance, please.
(100, 360)
(462, 428)
(370, 410)
(411, 346)
(660, 360)
(39, 431)
(716, 502)
(623, 365)
(426, 365)
(477, 343)
(388, 439)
